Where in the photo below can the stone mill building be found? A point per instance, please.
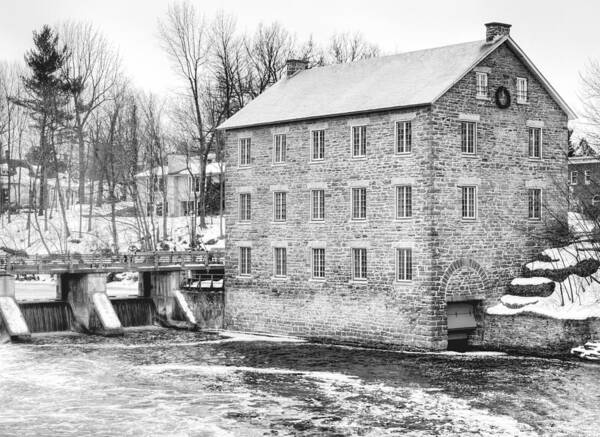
(389, 201)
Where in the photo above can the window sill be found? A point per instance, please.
(404, 283)
(403, 219)
(243, 222)
(522, 102)
(278, 164)
(358, 220)
(362, 282)
(278, 222)
(316, 161)
(280, 278)
(244, 167)
(468, 220)
(358, 158)
(317, 280)
(534, 220)
(317, 222)
(243, 277)
(469, 155)
(534, 158)
(403, 154)
(483, 98)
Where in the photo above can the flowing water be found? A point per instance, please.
(178, 383)
(47, 316)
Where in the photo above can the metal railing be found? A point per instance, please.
(123, 262)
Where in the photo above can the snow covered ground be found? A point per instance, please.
(14, 235)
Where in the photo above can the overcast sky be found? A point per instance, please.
(559, 36)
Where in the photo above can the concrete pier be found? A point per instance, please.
(162, 287)
(12, 323)
(86, 293)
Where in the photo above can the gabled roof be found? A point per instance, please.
(404, 80)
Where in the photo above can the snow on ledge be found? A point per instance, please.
(536, 280)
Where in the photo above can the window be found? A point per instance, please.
(359, 141)
(586, 177)
(595, 200)
(468, 137)
(573, 178)
(318, 145)
(279, 206)
(359, 264)
(403, 137)
(196, 183)
(188, 207)
(535, 204)
(245, 207)
(162, 208)
(521, 90)
(403, 201)
(245, 260)
(468, 202)
(535, 142)
(280, 262)
(317, 205)
(359, 203)
(482, 84)
(280, 148)
(404, 268)
(318, 263)
(245, 146)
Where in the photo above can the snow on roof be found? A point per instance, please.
(403, 80)
(212, 168)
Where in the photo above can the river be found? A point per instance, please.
(160, 382)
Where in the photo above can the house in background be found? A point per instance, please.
(389, 201)
(178, 180)
(584, 184)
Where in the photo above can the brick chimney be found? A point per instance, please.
(295, 65)
(493, 31)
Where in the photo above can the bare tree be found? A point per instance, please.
(590, 97)
(93, 70)
(184, 34)
(349, 47)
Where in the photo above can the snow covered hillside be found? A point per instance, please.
(14, 235)
(564, 283)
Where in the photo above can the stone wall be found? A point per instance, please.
(490, 250)
(535, 334)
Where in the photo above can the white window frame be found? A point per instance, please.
(245, 263)
(282, 210)
(280, 264)
(321, 207)
(404, 127)
(353, 216)
(531, 210)
(573, 177)
(587, 180)
(406, 200)
(464, 127)
(596, 200)
(314, 251)
(362, 140)
(245, 208)
(531, 141)
(481, 84)
(462, 208)
(363, 260)
(321, 134)
(279, 148)
(522, 90)
(408, 267)
(245, 142)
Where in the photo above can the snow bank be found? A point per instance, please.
(567, 256)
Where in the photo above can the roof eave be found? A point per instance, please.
(317, 117)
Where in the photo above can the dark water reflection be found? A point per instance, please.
(161, 382)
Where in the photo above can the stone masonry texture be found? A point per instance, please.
(453, 259)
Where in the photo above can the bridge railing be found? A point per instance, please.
(126, 261)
